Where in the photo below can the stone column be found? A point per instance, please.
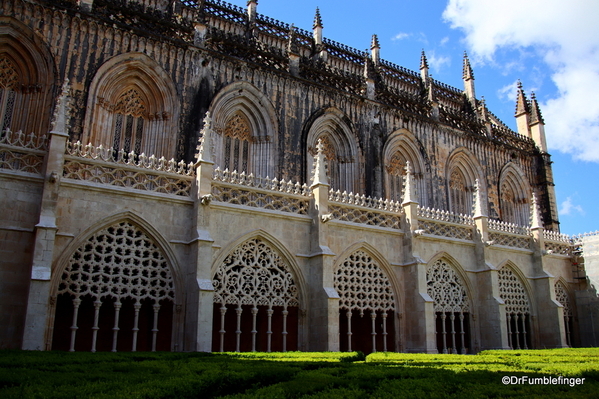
(323, 313)
(419, 316)
(200, 301)
(38, 305)
(549, 325)
(491, 308)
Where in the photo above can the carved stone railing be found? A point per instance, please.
(364, 210)
(510, 228)
(257, 192)
(22, 153)
(509, 234)
(138, 172)
(557, 243)
(445, 224)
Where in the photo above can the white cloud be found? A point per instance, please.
(566, 36)
(567, 207)
(508, 92)
(437, 61)
(444, 41)
(401, 36)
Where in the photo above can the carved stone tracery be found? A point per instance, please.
(9, 77)
(513, 293)
(362, 285)
(131, 103)
(255, 274)
(446, 288)
(118, 262)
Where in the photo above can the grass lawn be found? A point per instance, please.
(296, 375)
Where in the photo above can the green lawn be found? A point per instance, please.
(296, 375)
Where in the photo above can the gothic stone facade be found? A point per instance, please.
(328, 207)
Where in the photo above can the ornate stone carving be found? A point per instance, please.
(513, 293)
(130, 103)
(9, 77)
(362, 285)
(561, 295)
(446, 288)
(119, 262)
(255, 274)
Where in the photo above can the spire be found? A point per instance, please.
(60, 118)
(478, 201)
(536, 222)
(205, 147)
(424, 69)
(535, 111)
(409, 191)
(252, 10)
(468, 78)
(320, 173)
(467, 73)
(317, 20)
(521, 101)
(375, 50)
(522, 112)
(317, 28)
(423, 61)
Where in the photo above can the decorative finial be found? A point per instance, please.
(205, 146)
(317, 20)
(536, 221)
(320, 173)
(60, 119)
(478, 201)
(467, 73)
(375, 42)
(409, 190)
(292, 46)
(521, 101)
(535, 111)
(423, 61)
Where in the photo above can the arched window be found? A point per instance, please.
(26, 80)
(400, 149)
(341, 152)
(517, 309)
(452, 321)
(9, 83)
(237, 137)
(116, 293)
(462, 172)
(460, 193)
(514, 194)
(246, 127)
(255, 301)
(132, 106)
(366, 305)
(561, 294)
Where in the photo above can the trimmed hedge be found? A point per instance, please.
(293, 374)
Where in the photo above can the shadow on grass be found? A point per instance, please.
(293, 375)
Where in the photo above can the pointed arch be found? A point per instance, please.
(461, 173)
(27, 79)
(399, 148)
(256, 291)
(247, 128)
(132, 105)
(562, 295)
(452, 301)
(515, 292)
(341, 149)
(366, 285)
(117, 276)
(514, 195)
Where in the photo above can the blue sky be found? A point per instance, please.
(552, 46)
